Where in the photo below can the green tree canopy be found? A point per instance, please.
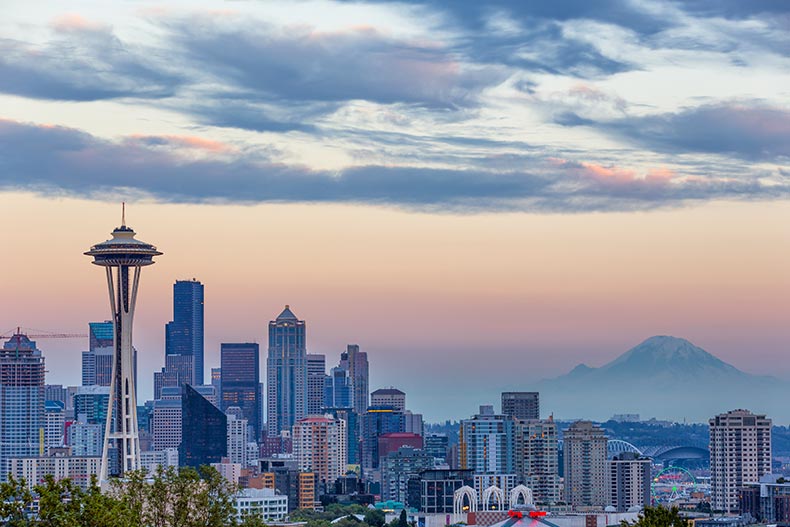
(658, 517)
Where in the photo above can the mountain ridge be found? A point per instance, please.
(666, 377)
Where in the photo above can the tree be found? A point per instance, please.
(658, 517)
(59, 502)
(375, 518)
(403, 520)
(15, 502)
(105, 510)
(251, 520)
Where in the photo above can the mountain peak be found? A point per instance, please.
(668, 353)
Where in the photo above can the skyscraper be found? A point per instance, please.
(389, 397)
(337, 389)
(377, 421)
(240, 381)
(487, 443)
(204, 430)
(286, 372)
(316, 374)
(122, 258)
(184, 334)
(352, 431)
(521, 405)
(238, 436)
(319, 444)
(398, 467)
(97, 361)
(537, 458)
(740, 453)
(356, 363)
(629, 481)
(585, 465)
(21, 400)
(216, 379)
(55, 417)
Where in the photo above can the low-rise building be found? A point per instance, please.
(78, 469)
(264, 503)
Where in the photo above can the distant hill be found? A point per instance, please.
(667, 378)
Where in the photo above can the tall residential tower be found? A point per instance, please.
(740, 453)
(585, 465)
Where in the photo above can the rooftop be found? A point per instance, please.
(388, 391)
(287, 314)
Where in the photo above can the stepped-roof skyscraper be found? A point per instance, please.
(184, 334)
(286, 372)
(123, 257)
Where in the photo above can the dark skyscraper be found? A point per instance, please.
(204, 436)
(521, 405)
(184, 334)
(377, 421)
(316, 379)
(286, 373)
(240, 381)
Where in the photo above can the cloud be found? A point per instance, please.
(58, 160)
(300, 63)
(748, 130)
(735, 8)
(83, 61)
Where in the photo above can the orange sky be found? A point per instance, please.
(534, 294)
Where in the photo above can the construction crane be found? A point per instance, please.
(40, 334)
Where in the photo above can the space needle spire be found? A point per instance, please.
(122, 256)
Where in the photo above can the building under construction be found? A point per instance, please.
(21, 400)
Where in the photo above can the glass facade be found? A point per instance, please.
(204, 430)
(184, 334)
(286, 372)
(21, 400)
(240, 381)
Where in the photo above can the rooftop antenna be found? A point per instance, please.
(123, 214)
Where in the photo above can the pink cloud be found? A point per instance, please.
(615, 175)
(186, 141)
(76, 22)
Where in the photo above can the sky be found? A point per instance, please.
(479, 194)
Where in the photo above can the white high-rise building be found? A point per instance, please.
(237, 436)
(166, 423)
(55, 416)
(740, 453)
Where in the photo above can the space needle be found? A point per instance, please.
(123, 257)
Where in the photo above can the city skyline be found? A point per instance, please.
(539, 185)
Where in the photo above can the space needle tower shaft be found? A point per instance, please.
(123, 257)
